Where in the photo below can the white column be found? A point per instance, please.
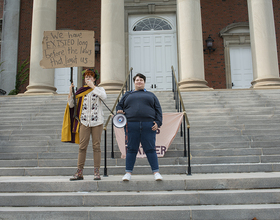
(191, 59)
(112, 45)
(263, 44)
(9, 45)
(44, 19)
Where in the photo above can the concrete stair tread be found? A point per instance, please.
(229, 181)
(223, 212)
(164, 169)
(128, 199)
(144, 208)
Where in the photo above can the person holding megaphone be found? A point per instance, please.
(144, 116)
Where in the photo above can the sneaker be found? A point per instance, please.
(126, 177)
(158, 177)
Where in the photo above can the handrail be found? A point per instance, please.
(180, 97)
(117, 100)
(129, 75)
(177, 93)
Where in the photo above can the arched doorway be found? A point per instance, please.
(153, 49)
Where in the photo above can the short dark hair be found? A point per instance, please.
(140, 75)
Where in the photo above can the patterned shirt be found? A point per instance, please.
(92, 114)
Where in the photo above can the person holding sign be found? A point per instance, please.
(90, 115)
(144, 116)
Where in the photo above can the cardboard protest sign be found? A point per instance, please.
(68, 48)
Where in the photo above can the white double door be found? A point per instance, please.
(241, 67)
(153, 54)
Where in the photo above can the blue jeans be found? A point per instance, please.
(136, 133)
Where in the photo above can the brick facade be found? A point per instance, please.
(216, 15)
(85, 15)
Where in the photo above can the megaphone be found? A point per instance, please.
(119, 120)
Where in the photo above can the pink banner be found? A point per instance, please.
(165, 135)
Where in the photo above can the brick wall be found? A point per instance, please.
(216, 15)
(1, 8)
(25, 34)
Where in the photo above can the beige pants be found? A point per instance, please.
(84, 140)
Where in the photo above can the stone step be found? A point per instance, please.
(50, 129)
(193, 139)
(44, 147)
(113, 183)
(145, 169)
(141, 161)
(141, 198)
(223, 212)
(48, 154)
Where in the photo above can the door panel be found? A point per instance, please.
(241, 67)
(153, 55)
(62, 79)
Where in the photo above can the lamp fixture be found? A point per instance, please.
(97, 47)
(209, 44)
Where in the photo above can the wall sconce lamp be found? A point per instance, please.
(97, 47)
(209, 44)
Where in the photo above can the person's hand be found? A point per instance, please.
(70, 88)
(155, 127)
(90, 83)
(120, 112)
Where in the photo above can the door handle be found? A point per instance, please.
(232, 84)
(155, 86)
(152, 86)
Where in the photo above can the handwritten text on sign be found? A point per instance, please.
(68, 48)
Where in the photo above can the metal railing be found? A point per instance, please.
(127, 85)
(179, 105)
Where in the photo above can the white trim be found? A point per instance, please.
(134, 19)
(236, 34)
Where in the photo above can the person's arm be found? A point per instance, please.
(100, 92)
(158, 111)
(70, 97)
(120, 105)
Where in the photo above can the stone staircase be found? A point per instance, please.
(235, 163)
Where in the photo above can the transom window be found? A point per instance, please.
(152, 24)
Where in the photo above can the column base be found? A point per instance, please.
(266, 83)
(40, 89)
(111, 87)
(193, 84)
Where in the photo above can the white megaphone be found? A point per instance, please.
(119, 120)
